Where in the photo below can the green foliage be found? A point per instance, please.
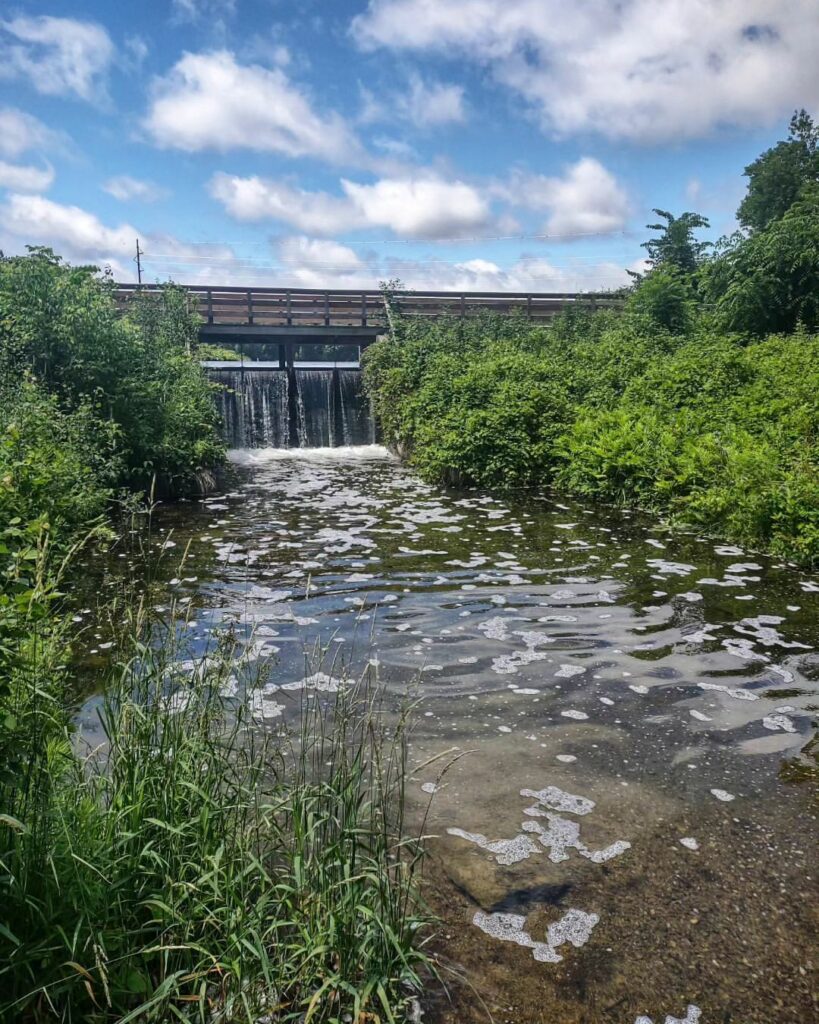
(769, 281)
(203, 869)
(667, 296)
(777, 178)
(715, 433)
(60, 324)
(677, 248)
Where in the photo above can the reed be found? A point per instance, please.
(202, 866)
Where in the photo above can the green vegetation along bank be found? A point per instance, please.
(699, 400)
(195, 868)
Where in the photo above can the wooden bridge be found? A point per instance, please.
(294, 316)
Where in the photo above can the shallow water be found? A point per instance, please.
(631, 832)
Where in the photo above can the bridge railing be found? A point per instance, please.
(304, 307)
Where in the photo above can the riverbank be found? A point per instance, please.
(713, 431)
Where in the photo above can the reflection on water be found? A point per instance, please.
(619, 844)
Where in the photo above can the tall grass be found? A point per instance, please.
(201, 867)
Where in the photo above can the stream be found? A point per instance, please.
(630, 834)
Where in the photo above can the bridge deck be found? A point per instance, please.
(303, 314)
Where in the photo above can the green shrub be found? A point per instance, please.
(60, 325)
(716, 433)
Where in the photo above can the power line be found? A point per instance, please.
(542, 236)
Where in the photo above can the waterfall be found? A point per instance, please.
(304, 408)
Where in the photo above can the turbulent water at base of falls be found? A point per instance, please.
(293, 409)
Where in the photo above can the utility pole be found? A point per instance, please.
(139, 253)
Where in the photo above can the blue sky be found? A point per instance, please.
(490, 144)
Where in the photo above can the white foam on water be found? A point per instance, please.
(692, 1016)
(778, 722)
(567, 671)
(558, 800)
(723, 795)
(671, 568)
(506, 851)
(262, 706)
(319, 681)
(345, 453)
(733, 691)
(574, 927)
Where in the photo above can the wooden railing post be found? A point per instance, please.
(209, 295)
(326, 309)
(289, 298)
(249, 306)
(363, 309)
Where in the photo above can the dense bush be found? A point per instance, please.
(134, 375)
(719, 434)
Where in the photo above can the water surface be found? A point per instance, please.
(631, 830)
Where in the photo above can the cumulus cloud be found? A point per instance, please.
(587, 199)
(56, 55)
(648, 70)
(420, 207)
(25, 178)
(126, 188)
(79, 235)
(318, 262)
(256, 199)
(210, 101)
(424, 207)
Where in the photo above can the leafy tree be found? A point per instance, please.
(667, 296)
(769, 281)
(677, 248)
(777, 177)
(61, 325)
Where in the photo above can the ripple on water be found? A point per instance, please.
(581, 609)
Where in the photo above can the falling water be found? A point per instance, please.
(297, 408)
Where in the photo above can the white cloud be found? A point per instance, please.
(318, 262)
(649, 70)
(25, 178)
(79, 235)
(420, 207)
(210, 101)
(426, 207)
(126, 188)
(20, 132)
(526, 274)
(56, 55)
(193, 10)
(426, 104)
(431, 104)
(586, 200)
(255, 199)
(318, 252)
